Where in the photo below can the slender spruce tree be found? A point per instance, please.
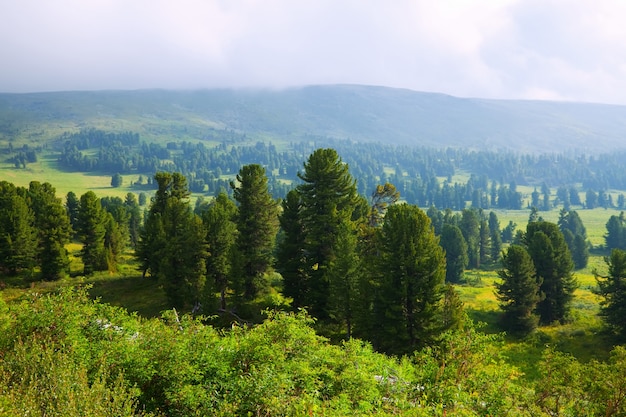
(54, 230)
(257, 223)
(172, 246)
(453, 242)
(329, 198)
(92, 219)
(221, 236)
(18, 236)
(290, 254)
(612, 288)
(409, 304)
(519, 292)
(553, 264)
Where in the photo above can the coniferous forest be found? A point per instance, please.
(322, 300)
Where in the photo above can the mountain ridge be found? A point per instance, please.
(344, 111)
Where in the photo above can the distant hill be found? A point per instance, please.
(360, 113)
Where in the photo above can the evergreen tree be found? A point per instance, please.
(470, 227)
(382, 198)
(257, 222)
(495, 236)
(221, 236)
(412, 270)
(134, 218)
(290, 256)
(92, 221)
(71, 205)
(153, 237)
(508, 233)
(54, 230)
(116, 180)
(575, 236)
(343, 275)
(612, 288)
(484, 247)
(519, 291)
(172, 246)
(18, 236)
(553, 264)
(453, 242)
(329, 196)
(615, 237)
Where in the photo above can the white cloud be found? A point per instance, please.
(564, 49)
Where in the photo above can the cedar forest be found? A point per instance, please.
(297, 282)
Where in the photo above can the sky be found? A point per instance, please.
(566, 50)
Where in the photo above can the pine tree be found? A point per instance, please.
(221, 236)
(54, 230)
(575, 236)
(91, 231)
(484, 247)
(329, 197)
(18, 236)
(257, 223)
(495, 236)
(470, 227)
(71, 205)
(553, 264)
(134, 218)
(382, 198)
(408, 308)
(290, 255)
(453, 242)
(519, 291)
(172, 246)
(344, 285)
(613, 290)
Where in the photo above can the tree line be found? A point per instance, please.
(423, 175)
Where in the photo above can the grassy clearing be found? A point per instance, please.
(46, 170)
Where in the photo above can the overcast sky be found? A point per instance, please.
(528, 49)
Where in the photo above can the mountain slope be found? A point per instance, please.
(354, 112)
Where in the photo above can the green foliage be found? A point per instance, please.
(18, 236)
(172, 246)
(92, 228)
(553, 265)
(290, 255)
(221, 235)
(117, 180)
(519, 291)
(328, 194)
(470, 227)
(613, 290)
(575, 236)
(453, 243)
(257, 224)
(412, 281)
(344, 276)
(54, 230)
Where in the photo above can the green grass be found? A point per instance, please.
(46, 170)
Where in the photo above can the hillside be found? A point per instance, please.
(341, 111)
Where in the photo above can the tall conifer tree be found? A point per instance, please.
(257, 223)
(329, 199)
(519, 291)
(553, 264)
(409, 305)
(221, 236)
(54, 229)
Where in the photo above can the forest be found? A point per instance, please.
(425, 176)
(321, 301)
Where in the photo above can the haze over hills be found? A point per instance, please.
(361, 113)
